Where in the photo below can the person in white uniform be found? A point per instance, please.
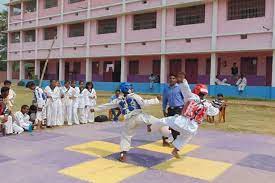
(39, 100)
(194, 111)
(131, 106)
(60, 114)
(66, 102)
(74, 93)
(22, 118)
(6, 115)
(82, 103)
(12, 94)
(91, 97)
(241, 83)
(53, 94)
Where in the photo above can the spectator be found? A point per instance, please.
(241, 83)
(12, 94)
(116, 111)
(221, 82)
(22, 119)
(152, 79)
(219, 101)
(234, 70)
(172, 98)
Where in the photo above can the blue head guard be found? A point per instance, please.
(126, 87)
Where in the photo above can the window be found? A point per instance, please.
(237, 9)
(190, 15)
(15, 9)
(145, 21)
(15, 37)
(95, 66)
(51, 3)
(30, 6)
(249, 65)
(106, 26)
(75, 1)
(50, 33)
(133, 67)
(76, 30)
(29, 36)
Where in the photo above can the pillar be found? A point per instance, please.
(88, 69)
(273, 69)
(123, 75)
(21, 70)
(61, 70)
(9, 70)
(37, 68)
(163, 69)
(213, 68)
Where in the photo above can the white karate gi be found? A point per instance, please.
(133, 119)
(52, 105)
(82, 106)
(39, 100)
(91, 98)
(11, 97)
(241, 83)
(73, 117)
(60, 114)
(22, 120)
(67, 104)
(185, 126)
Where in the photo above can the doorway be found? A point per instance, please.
(191, 69)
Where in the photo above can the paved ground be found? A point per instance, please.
(88, 153)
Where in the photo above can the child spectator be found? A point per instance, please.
(82, 103)
(22, 119)
(12, 94)
(90, 94)
(241, 83)
(219, 101)
(115, 111)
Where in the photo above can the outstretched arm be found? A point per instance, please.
(111, 105)
(145, 102)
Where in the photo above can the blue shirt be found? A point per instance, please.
(113, 98)
(172, 97)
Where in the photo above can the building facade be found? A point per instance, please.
(127, 40)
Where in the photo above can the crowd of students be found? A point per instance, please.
(56, 105)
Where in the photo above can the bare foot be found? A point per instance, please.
(149, 128)
(175, 153)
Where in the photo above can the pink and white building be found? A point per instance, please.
(140, 37)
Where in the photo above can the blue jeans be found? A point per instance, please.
(116, 115)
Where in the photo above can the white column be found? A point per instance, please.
(214, 25)
(61, 70)
(21, 70)
(273, 69)
(123, 76)
(88, 69)
(9, 70)
(37, 68)
(213, 70)
(163, 69)
(163, 27)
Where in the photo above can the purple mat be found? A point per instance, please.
(35, 136)
(141, 157)
(59, 159)
(4, 159)
(259, 161)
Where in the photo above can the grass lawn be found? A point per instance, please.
(242, 115)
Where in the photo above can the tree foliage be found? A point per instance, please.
(3, 39)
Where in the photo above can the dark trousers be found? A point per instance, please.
(172, 112)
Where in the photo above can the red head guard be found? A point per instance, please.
(200, 88)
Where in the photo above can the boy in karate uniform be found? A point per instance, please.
(73, 95)
(22, 118)
(193, 113)
(39, 100)
(90, 94)
(131, 106)
(66, 102)
(82, 103)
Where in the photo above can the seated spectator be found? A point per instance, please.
(116, 111)
(152, 79)
(12, 94)
(22, 119)
(221, 82)
(241, 83)
(32, 113)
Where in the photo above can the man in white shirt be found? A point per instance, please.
(241, 83)
(12, 94)
(22, 118)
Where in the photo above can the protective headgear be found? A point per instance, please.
(200, 88)
(126, 87)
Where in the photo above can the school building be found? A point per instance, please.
(112, 41)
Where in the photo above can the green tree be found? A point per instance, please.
(3, 40)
